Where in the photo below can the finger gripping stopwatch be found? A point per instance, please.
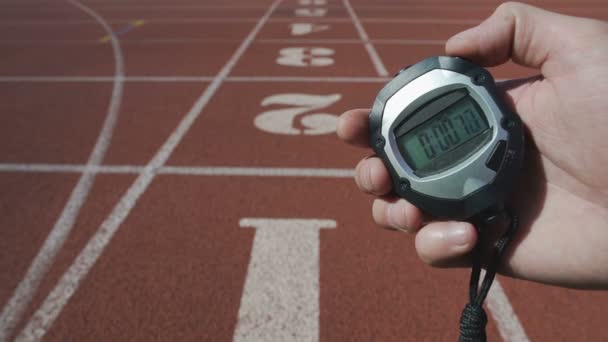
(451, 144)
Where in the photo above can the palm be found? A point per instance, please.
(563, 193)
(562, 198)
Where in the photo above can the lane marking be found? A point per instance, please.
(507, 323)
(394, 41)
(258, 171)
(126, 21)
(132, 25)
(313, 2)
(298, 115)
(14, 309)
(313, 12)
(131, 7)
(183, 170)
(303, 29)
(371, 50)
(280, 301)
(229, 7)
(308, 79)
(52, 306)
(421, 20)
(241, 20)
(69, 168)
(304, 57)
(60, 79)
(308, 41)
(409, 41)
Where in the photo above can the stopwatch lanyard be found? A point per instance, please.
(473, 320)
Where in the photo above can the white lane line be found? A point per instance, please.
(308, 41)
(54, 42)
(61, 79)
(409, 41)
(46, 314)
(56, 79)
(243, 20)
(183, 170)
(394, 41)
(94, 42)
(134, 7)
(452, 6)
(69, 168)
(169, 78)
(126, 21)
(21, 298)
(371, 50)
(147, 7)
(502, 312)
(421, 21)
(307, 79)
(189, 7)
(280, 300)
(316, 79)
(173, 7)
(258, 171)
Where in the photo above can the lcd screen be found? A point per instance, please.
(446, 137)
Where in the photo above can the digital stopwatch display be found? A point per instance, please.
(445, 139)
(452, 146)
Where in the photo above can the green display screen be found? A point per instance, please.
(446, 138)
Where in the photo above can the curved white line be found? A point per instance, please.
(68, 284)
(15, 307)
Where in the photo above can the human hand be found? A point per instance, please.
(562, 199)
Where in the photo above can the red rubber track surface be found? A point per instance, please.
(248, 227)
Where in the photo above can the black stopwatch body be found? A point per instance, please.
(452, 146)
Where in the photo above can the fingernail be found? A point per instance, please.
(366, 179)
(459, 39)
(464, 34)
(459, 35)
(458, 235)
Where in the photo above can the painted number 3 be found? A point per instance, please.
(304, 57)
(283, 121)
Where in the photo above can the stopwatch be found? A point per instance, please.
(451, 144)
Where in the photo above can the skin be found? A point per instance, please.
(562, 199)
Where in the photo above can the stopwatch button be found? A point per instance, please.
(402, 70)
(497, 156)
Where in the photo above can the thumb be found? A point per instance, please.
(446, 243)
(530, 36)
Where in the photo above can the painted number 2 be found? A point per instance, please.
(283, 121)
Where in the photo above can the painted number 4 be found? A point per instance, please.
(283, 121)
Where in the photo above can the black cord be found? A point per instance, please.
(474, 319)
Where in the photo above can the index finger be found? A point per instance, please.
(353, 127)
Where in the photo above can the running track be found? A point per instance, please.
(169, 172)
